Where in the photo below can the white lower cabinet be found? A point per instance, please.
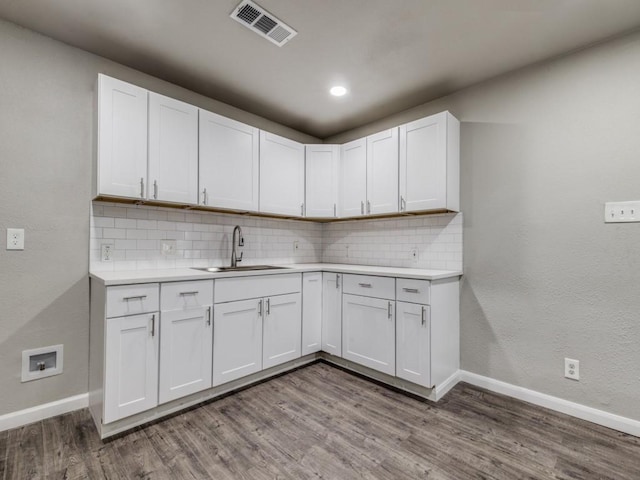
(311, 312)
(413, 343)
(237, 340)
(281, 331)
(131, 365)
(186, 338)
(332, 313)
(368, 332)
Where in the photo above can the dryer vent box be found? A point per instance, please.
(41, 362)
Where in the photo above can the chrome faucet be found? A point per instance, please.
(234, 258)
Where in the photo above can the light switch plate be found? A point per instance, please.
(15, 238)
(622, 212)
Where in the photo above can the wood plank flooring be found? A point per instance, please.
(321, 422)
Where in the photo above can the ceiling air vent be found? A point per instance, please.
(257, 19)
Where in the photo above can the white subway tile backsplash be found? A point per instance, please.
(204, 239)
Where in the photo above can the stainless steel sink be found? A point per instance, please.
(244, 268)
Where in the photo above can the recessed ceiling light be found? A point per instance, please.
(338, 91)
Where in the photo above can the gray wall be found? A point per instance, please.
(542, 150)
(46, 115)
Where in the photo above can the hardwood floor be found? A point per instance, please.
(322, 422)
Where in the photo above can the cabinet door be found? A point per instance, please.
(382, 172)
(353, 178)
(186, 340)
(228, 163)
(237, 340)
(332, 313)
(282, 329)
(321, 179)
(413, 343)
(281, 175)
(173, 150)
(369, 332)
(311, 312)
(131, 365)
(423, 164)
(122, 138)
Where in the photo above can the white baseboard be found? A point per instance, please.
(442, 389)
(600, 417)
(40, 412)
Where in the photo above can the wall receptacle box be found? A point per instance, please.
(42, 362)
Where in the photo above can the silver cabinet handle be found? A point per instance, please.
(268, 306)
(361, 208)
(403, 204)
(365, 285)
(337, 280)
(302, 209)
(155, 189)
(424, 315)
(389, 312)
(410, 290)
(335, 210)
(260, 307)
(135, 297)
(209, 316)
(141, 187)
(368, 206)
(195, 292)
(153, 325)
(204, 196)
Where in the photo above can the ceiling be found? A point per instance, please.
(392, 55)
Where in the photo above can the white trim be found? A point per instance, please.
(600, 417)
(40, 412)
(442, 389)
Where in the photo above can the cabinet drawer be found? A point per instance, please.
(243, 288)
(413, 291)
(370, 286)
(132, 299)
(182, 295)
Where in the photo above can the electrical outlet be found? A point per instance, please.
(296, 245)
(347, 251)
(413, 254)
(106, 252)
(168, 247)
(622, 212)
(15, 238)
(572, 369)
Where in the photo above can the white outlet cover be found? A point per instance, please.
(15, 238)
(622, 212)
(572, 369)
(168, 247)
(106, 252)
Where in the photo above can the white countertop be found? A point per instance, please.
(181, 274)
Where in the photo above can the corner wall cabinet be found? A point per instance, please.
(154, 148)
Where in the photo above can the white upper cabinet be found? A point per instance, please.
(173, 150)
(382, 172)
(322, 171)
(229, 163)
(281, 175)
(122, 139)
(353, 178)
(430, 164)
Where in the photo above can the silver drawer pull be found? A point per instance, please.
(410, 290)
(365, 285)
(424, 315)
(136, 297)
(389, 312)
(195, 292)
(153, 325)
